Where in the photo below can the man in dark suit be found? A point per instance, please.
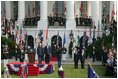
(39, 51)
(82, 58)
(47, 53)
(76, 58)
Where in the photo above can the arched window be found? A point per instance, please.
(84, 9)
(59, 8)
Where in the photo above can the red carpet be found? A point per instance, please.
(53, 59)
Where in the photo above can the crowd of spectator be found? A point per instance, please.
(109, 60)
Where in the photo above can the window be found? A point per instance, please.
(105, 9)
(84, 9)
(37, 8)
(59, 8)
(15, 9)
(3, 11)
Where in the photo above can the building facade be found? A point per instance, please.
(59, 17)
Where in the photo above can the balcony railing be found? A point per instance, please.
(56, 21)
(31, 21)
(83, 22)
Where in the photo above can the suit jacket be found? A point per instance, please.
(47, 50)
(39, 50)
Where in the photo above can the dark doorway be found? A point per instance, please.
(54, 42)
(31, 42)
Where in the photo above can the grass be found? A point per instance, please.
(70, 72)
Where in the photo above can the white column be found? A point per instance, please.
(8, 9)
(21, 12)
(43, 8)
(70, 22)
(95, 13)
(43, 23)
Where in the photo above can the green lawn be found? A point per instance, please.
(70, 72)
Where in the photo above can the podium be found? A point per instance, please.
(31, 57)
